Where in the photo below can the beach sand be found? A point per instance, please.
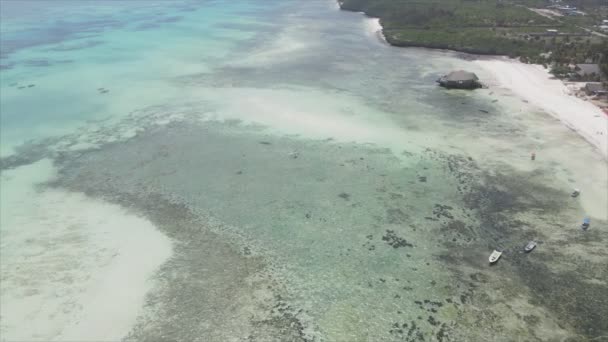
(374, 28)
(534, 84)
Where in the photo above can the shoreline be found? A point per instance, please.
(441, 47)
(374, 28)
(534, 84)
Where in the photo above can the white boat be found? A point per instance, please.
(495, 256)
(530, 246)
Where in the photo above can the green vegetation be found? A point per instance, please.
(493, 27)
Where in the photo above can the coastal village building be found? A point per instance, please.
(567, 10)
(587, 70)
(595, 89)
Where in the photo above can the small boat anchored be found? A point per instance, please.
(530, 246)
(575, 193)
(494, 256)
(586, 223)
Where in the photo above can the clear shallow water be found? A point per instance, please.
(315, 183)
(69, 53)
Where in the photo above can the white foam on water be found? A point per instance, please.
(73, 268)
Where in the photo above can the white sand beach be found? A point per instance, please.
(534, 84)
(374, 28)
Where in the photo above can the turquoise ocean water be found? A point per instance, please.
(67, 50)
(315, 183)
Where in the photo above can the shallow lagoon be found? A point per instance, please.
(314, 182)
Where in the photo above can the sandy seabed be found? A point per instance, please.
(73, 268)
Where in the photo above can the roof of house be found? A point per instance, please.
(593, 87)
(461, 75)
(587, 69)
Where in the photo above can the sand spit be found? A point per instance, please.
(534, 84)
(73, 268)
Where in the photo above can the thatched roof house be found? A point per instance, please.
(460, 79)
